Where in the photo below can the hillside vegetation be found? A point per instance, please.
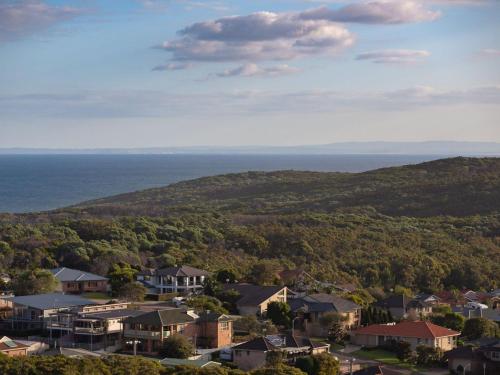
(425, 227)
(460, 187)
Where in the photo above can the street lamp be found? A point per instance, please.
(134, 343)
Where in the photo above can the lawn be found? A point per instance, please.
(383, 356)
(96, 295)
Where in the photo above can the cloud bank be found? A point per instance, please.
(19, 19)
(396, 56)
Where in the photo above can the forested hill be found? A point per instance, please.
(456, 187)
(425, 227)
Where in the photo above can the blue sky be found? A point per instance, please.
(139, 73)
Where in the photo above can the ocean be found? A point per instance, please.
(43, 182)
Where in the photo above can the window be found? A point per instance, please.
(224, 326)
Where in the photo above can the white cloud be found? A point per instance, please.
(395, 56)
(253, 70)
(491, 52)
(172, 66)
(21, 18)
(258, 36)
(375, 12)
(159, 104)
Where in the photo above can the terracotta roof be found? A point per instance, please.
(419, 329)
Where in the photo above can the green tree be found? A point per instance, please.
(120, 275)
(204, 303)
(131, 291)
(280, 314)
(427, 355)
(278, 370)
(225, 276)
(403, 350)
(34, 282)
(177, 346)
(476, 328)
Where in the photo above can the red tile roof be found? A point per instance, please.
(419, 329)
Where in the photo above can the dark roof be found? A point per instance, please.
(162, 317)
(68, 274)
(464, 352)
(323, 302)
(211, 316)
(51, 301)
(146, 272)
(276, 342)
(252, 295)
(418, 304)
(372, 370)
(397, 301)
(187, 271)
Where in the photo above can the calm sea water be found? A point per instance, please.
(43, 182)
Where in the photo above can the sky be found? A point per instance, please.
(159, 73)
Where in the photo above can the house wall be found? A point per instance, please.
(216, 334)
(445, 343)
(15, 352)
(84, 286)
(247, 360)
(261, 309)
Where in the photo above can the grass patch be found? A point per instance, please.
(336, 347)
(96, 295)
(385, 357)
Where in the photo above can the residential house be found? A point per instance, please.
(147, 331)
(312, 308)
(183, 280)
(33, 312)
(214, 330)
(254, 353)
(404, 307)
(484, 360)
(78, 282)
(12, 348)
(415, 333)
(254, 299)
(430, 299)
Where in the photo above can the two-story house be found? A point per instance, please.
(482, 360)
(401, 306)
(183, 280)
(254, 354)
(35, 311)
(78, 282)
(254, 299)
(312, 308)
(146, 332)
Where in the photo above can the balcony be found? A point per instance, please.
(89, 331)
(134, 333)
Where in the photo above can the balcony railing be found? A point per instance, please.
(88, 330)
(141, 334)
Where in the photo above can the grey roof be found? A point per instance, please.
(396, 301)
(51, 301)
(68, 274)
(323, 302)
(182, 271)
(162, 317)
(275, 342)
(211, 316)
(253, 295)
(112, 314)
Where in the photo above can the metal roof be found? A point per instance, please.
(68, 274)
(51, 301)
